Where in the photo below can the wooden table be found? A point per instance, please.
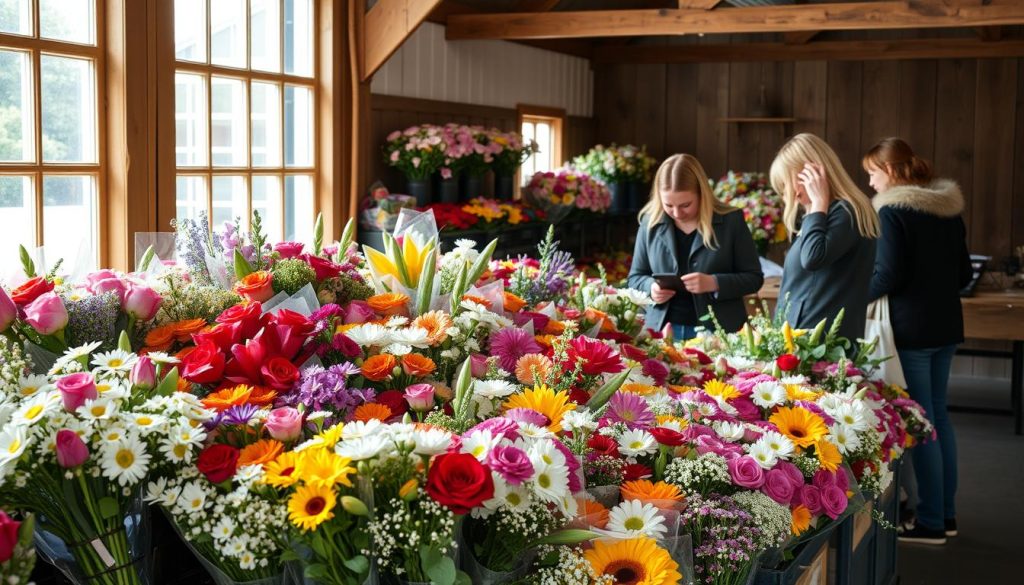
(989, 314)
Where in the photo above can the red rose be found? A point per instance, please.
(667, 437)
(394, 400)
(246, 317)
(459, 481)
(702, 357)
(604, 445)
(579, 396)
(222, 335)
(29, 291)
(218, 462)
(290, 332)
(204, 364)
(635, 471)
(279, 373)
(324, 268)
(787, 362)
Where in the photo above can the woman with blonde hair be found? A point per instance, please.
(693, 252)
(828, 267)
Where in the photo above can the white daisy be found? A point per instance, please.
(155, 490)
(493, 388)
(851, 415)
(633, 518)
(112, 389)
(763, 454)
(369, 335)
(363, 448)
(533, 431)
(636, 442)
(543, 452)
(768, 394)
(359, 429)
(175, 451)
(706, 409)
(162, 358)
(188, 435)
(169, 498)
(247, 561)
(115, 361)
(517, 498)
(13, 441)
(98, 409)
(798, 380)
(35, 409)
(148, 423)
(74, 354)
(414, 336)
(114, 433)
(844, 438)
(30, 385)
(127, 462)
(780, 444)
(397, 349)
(237, 546)
(224, 529)
(192, 498)
(730, 431)
(479, 443)
(431, 441)
(550, 482)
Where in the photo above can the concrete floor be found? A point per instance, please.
(990, 500)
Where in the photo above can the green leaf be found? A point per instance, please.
(478, 268)
(242, 267)
(108, 508)
(147, 257)
(317, 571)
(394, 252)
(26, 262)
(463, 383)
(425, 291)
(567, 536)
(347, 235)
(318, 234)
(169, 384)
(605, 393)
(124, 343)
(462, 579)
(818, 352)
(457, 291)
(440, 569)
(290, 555)
(319, 546)
(358, 565)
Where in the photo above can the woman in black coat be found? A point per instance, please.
(699, 245)
(922, 264)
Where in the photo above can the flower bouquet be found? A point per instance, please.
(762, 206)
(617, 164)
(418, 151)
(561, 191)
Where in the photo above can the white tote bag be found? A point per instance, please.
(878, 326)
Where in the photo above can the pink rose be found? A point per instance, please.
(71, 450)
(8, 310)
(478, 365)
(358, 312)
(823, 479)
(833, 501)
(284, 424)
(109, 285)
(288, 249)
(777, 486)
(420, 397)
(141, 302)
(796, 477)
(93, 277)
(46, 314)
(8, 536)
(143, 373)
(745, 472)
(810, 497)
(75, 389)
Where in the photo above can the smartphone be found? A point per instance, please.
(669, 282)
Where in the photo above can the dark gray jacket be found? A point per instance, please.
(828, 268)
(734, 263)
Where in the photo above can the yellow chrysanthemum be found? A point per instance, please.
(637, 388)
(544, 400)
(636, 561)
(828, 455)
(324, 467)
(802, 426)
(310, 506)
(281, 471)
(796, 392)
(721, 389)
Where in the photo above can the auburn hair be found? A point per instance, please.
(894, 157)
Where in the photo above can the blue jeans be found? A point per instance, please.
(927, 373)
(683, 332)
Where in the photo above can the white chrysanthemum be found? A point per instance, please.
(641, 299)
(830, 402)
(798, 380)
(101, 408)
(176, 451)
(768, 394)
(224, 529)
(396, 321)
(779, 444)
(237, 546)
(844, 438)
(730, 431)
(115, 361)
(397, 349)
(633, 519)
(706, 409)
(414, 336)
(192, 498)
(13, 442)
(479, 443)
(533, 431)
(359, 429)
(126, 462)
(851, 415)
(431, 441)
(248, 474)
(763, 454)
(35, 409)
(637, 442)
(369, 335)
(31, 385)
(169, 498)
(579, 420)
(550, 482)
(363, 448)
(493, 388)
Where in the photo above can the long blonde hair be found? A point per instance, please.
(683, 172)
(804, 148)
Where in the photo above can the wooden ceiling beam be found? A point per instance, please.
(886, 14)
(386, 27)
(574, 47)
(699, 4)
(821, 51)
(990, 33)
(799, 37)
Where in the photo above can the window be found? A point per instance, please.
(543, 125)
(244, 115)
(51, 143)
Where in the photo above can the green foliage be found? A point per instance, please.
(291, 274)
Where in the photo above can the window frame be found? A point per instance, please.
(557, 119)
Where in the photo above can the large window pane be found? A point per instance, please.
(69, 109)
(266, 35)
(228, 126)
(68, 20)
(16, 17)
(70, 220)
(298, 126)
(16, 123)
(298, 37)
(266, 199)
(190, 196)
(230, 201)
(228, 33)
(17, 216)
(190, 30)
(298, 208)
(546, 143)
(266, 124)
(190, 120)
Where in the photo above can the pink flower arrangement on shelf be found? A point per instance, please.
(420, 151)
(566, 189)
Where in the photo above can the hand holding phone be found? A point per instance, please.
(670, 282)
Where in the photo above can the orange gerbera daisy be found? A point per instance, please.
(591, 513)
(533, 368)
(260, 453)
(513, 302)
(801, 520)
(544, 400)
(802, 426)
(370, 411)
(228, 397)
(262, 395)
(674, 355)
(478, 300)
(661, 495)
(389, 304)
(183, 330)
(160, 338)
(379, 367)
(415, 364)
(436, 323)
(828, 455)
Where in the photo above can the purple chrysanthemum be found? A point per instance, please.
(631, 409)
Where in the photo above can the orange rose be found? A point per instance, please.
(513, 303)
(160, 338)
(415, 364)
(379, 367)
(256, 286)
(554, 328)
(183, 330)
(389, 304)
(260, 452)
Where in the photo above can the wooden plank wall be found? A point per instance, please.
(965, 115)
(389, 113)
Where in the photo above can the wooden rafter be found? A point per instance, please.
(699, 4)
(799, 37)
(885, 14)
(821, 51)
(990, 33)
(387, 26)
(575, 47)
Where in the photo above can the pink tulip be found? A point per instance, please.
(478, 365)
(284, 424)
(8, 536)
(8, 310)
(143, 373)
(141, 302)
(420, 397)
(46, 314)
(75, 389)
(71, 450)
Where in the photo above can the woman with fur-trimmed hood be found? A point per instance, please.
(921, 264)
